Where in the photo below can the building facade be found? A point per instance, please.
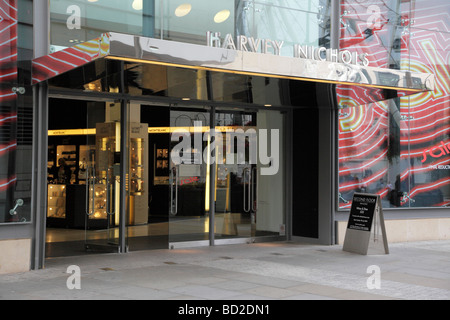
(136, 125)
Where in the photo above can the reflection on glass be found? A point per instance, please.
(188, 175)
(294, 22)
(83, 201)
(74, 22)
(248, 203)
(377, 28)
(16, 112)
(222, 16)
(183, 10)
(401, 142)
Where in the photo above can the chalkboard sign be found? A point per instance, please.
(366, 232)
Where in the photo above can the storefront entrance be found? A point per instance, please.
(195, 175)
(83, 184)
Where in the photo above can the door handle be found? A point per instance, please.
(110, 199)
(247, 199)
(176, 191)
(254, 189)
(90, 183)
(173, 204)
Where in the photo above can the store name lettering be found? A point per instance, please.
(267, 46)
(437, 151)
(365, 200)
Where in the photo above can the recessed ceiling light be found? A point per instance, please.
(222, 16)
(183, 10)
(137, 5)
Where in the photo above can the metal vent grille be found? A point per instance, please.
(25, 124)
(16, 128)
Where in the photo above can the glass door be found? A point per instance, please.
(250, 197)
(148, 141)
(168, 176)
(102, 162)
(235, 183)
(83, 177)
(177, 170)
(189, 174)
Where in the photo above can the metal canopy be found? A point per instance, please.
(169, 53)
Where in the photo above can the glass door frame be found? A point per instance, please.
(213, 109)
(96, 97)
(126, 99)
(255, 199)
(196, 172)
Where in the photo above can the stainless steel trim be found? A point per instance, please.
(188, 244)
(149, 50)
(206, 243)
(225, 242)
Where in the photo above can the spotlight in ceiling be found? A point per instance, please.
(183, 10)
(222, 16)
(137, 5)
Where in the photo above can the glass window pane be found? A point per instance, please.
(305, 22)
(16, 112)
(189, 21)
(417, 127)
(430, 120)
(373, 153)
(73, 22)
(377, 28)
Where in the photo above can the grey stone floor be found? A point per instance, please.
(264, 271)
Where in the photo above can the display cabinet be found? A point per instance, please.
(137, 169)
(138, 174)
(107, 173)
(97, 202)
(56, 201)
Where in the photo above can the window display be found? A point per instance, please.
(397, 148)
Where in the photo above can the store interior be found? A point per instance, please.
(165, 203)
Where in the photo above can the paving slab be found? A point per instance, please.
(260, 271)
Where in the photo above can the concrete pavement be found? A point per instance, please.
(262, 271)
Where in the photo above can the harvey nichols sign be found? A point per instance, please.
(267, 46)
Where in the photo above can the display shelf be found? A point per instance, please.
(97, 202)
(56, 200)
